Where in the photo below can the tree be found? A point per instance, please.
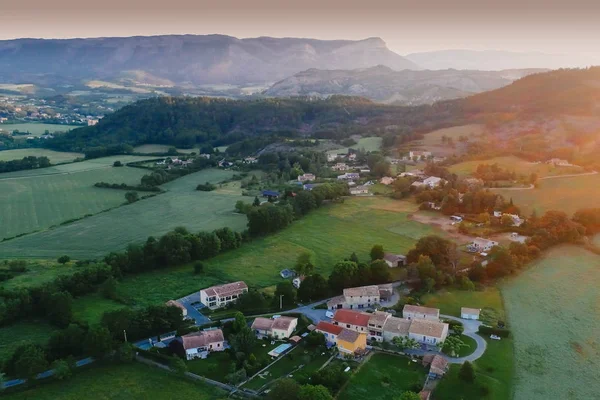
(288, 291)
(198, 267)
(117, 164)
(377, 252)
(98, 342)
(285, 388)
(178, 365)
(63, 259)
(343, 276)
(59, 308)
(239, 322)
(109, 289)
(125, 353)
(31, 362)
(380, 273)
(409, 396)
(256, 202)
(467, 372)
(506, 220)
(62, 370)
(243, 341)
(452, 345)
(304, 265)
(354, 257)
(315, 339)
(236, 377)
(131, 197)
(313, 287)
(314, 392)
(405, 342)
(2, 380)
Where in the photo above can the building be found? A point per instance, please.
(358, 190)
(356, 298)
(250, 160)
(469, 313)
(353, 320)
(287, 273)
(198, 344)
(386, 292)
(306, 177)
(432, 182)
(480, 245)
(427, 332)
(278, 328)
(438, 365)
(386, 180)
(418, 155)
(340, 167)
(219, 296)
(330, 331)
(394, 260)
(557, 162)
(376, 324)
(331, 157)
(173, 303)
(92, 122)
(352, 156)
(351, 342)
(395, 327)
(271, 194)
(348, 176)
(417, 312)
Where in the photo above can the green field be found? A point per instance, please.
(515, 164)
(127, 382)
(36, 129)
(567, 194)
(554, 313)
(38, 272)
(330, 234)
(371, 143)
(384, 377)
(159, 148)
(55, 157)
(90, 308)
(30, 202)
(450, 301)
(100, 234)
(22, 332)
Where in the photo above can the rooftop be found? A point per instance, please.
(397, 325)
(283, 323)
(421, 310)
(328, 327)
(466, 310)
(427, 328)
(393, 257)
(348, 335)
(378, 318)
(372, 290)
(352, 317)
(226, 289)
(201, 339)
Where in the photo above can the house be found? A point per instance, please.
(418, 312)
(278, 328)
(353, 320)
(356, 298)
(198, 344)
(386, 292)
(395, 327)
(456, 218)
(306, 177)
(480, 245)
(173, 303)
(394, 260)
(386, 180)
(351, 342)
(432, 182)
(309, 186)
(205, 155)
(497, 214)
(250, 160)
(517, 221)
(330, 331)
(352, 156)
(287, 273)
(92, 122)
(376, 323)
(219, 296)
(427, 332)
(340, 167)
(557, 162)
(418, 155)
(331, 157)
(364, 170)
(361, 189)
(438, 365)
(271, 194)
(349, 176)
(469, 313)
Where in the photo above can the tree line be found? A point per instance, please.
(30, 162)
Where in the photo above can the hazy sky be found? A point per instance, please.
(566, 26)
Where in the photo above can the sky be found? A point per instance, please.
(551, 26)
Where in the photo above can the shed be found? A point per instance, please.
(470, 313)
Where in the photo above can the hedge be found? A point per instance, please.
(488, 330)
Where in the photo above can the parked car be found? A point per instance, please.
(329, 314)
(494, 337)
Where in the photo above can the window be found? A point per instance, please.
(347, 325)
(218, 344)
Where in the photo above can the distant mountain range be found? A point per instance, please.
(385, 85)
(185, 59)
(494, 60)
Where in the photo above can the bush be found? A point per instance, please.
(63, 259)
(488, 330)
(117, 164)
(207, 187)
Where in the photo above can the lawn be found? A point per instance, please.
(89, 309)
(100, 234)
(554, 314)
(567, 194)
(12, 336)
(370, 143)
(470, 346)
(115, 382)
(34, 203)
(159, 148)
(35, 129)
(450, 301)
(330, 234)
(55, 157)
(515, 164)
(384, 377)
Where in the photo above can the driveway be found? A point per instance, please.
(194, 310)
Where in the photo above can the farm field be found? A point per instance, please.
(55, 157)
(384, 377)
(14, 335)
(126, 381)
(567, 194)
(371, 143)
(36, 202)
(102, 233)
(515, 164)
(559, 291)
(159, 148)
(330, 234)
(35, 129)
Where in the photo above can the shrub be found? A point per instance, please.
(117, 164)
(63, 259)
(488, 330)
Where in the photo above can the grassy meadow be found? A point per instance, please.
(55, 157)
(38, 272)
(159, 148)
(37, 129)
(31, 202)
(383, 377)
(450, 301)
(329, 234)
(102, 233)
(515, 164)
(554, 313)
(567, 194)
(115, 382)
(371, 143)
(22, 332)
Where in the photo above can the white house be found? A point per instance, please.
(219, 296)
(418, 155)
(250, 160)
(198, 344)
(278, 328)
(469, 313)
(418, 312)
(481, 245)
(432, 181)
(349, 176)
(339, 167)
(361, 189)
(356, 298)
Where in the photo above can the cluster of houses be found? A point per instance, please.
(338, 156)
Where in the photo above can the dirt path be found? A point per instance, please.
(442, 222)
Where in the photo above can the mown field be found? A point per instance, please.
(127, 382)
(159, 148)
(35, 129)
(371, 143)
(55, 157)
(102, 233)
(31, 203)
(384, 377)
(567, 194)
(515, 164)
(554, 313)
(330, 234)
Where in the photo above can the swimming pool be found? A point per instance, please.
(277, 351)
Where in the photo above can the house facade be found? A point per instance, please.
(376, 324)
(469, 313)
(219, 296)
(417, 312)
(277, 328)
(330, 331)
(361, 189)
(340, 167)
(356, 298)
(428, 332)
(394, 260)
(351, 342)
(353, 320)
(198, 344)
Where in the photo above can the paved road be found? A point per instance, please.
(192, 311)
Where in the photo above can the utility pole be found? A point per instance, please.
(281, 302)
(125, 335)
